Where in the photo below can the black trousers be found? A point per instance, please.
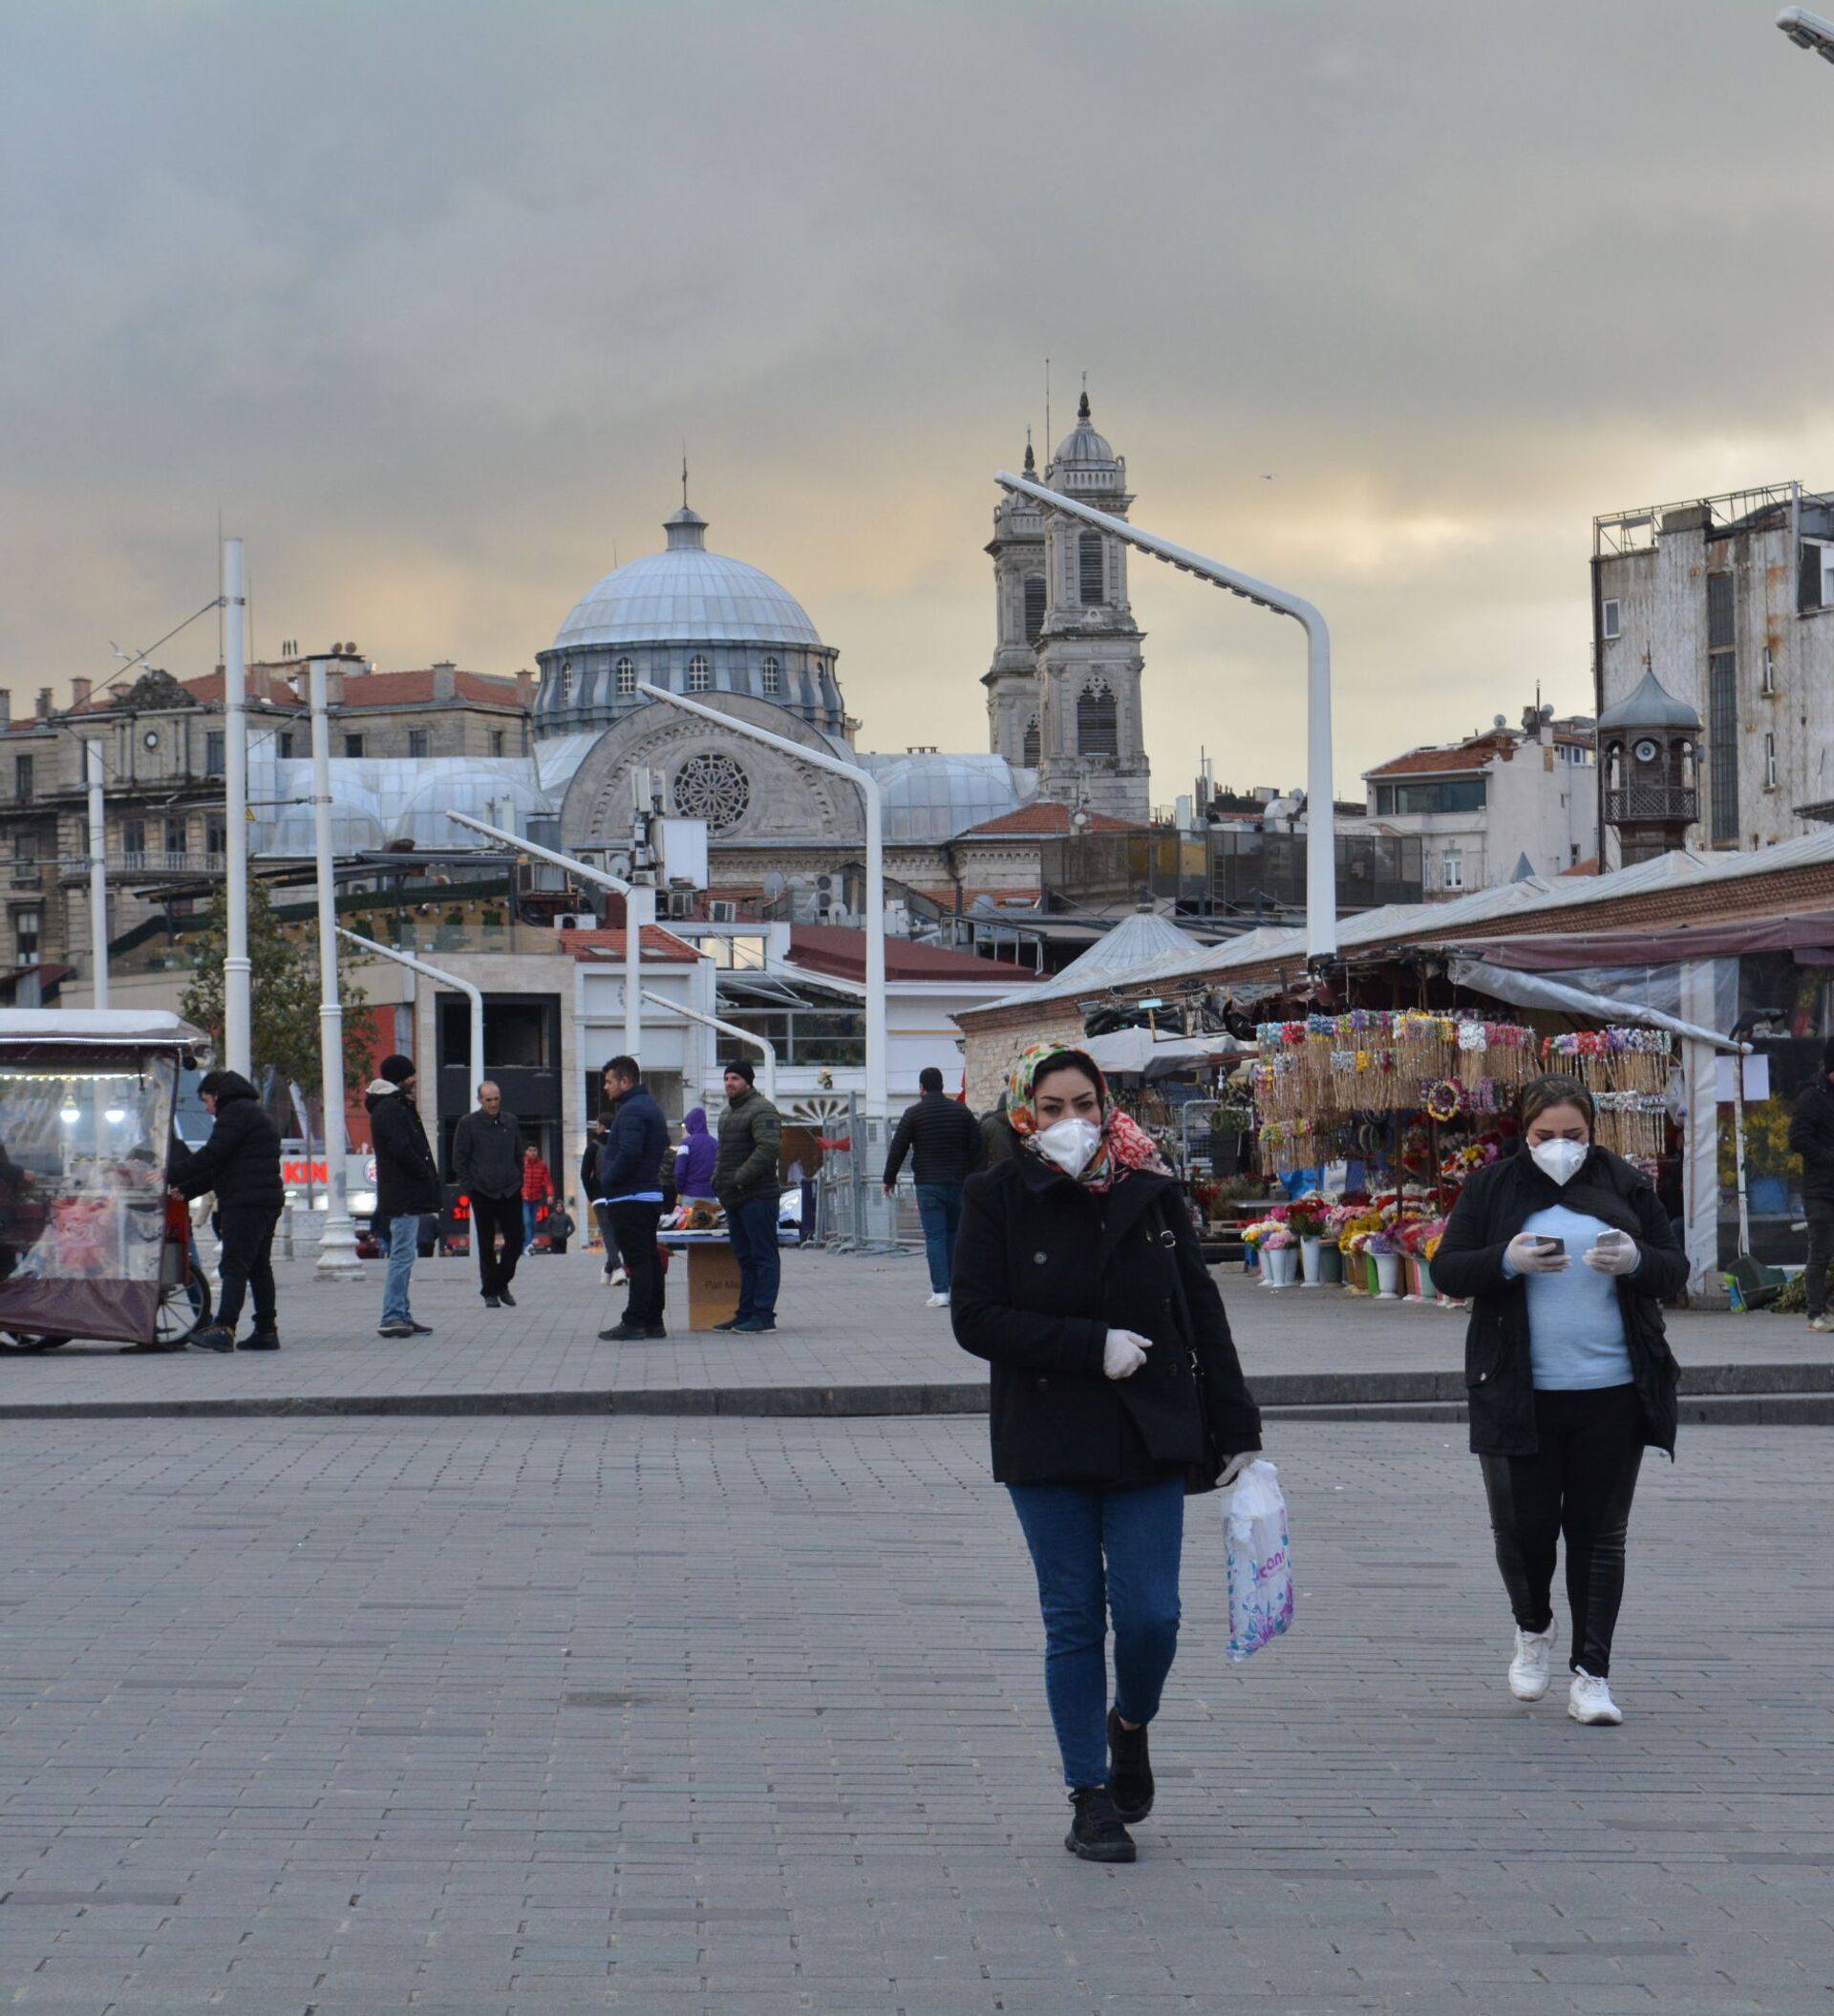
(612, 1259)
(636, 1227)
(1821, 1250)
(247, 1235)
(1578, 1485)
(491, 1218)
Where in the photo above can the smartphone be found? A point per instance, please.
(1550, 1245)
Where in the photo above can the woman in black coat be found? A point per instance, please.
(1115, 1390)
(1568, 1257)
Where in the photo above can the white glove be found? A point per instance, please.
(1124, 1353)
(1523, 1256)
(1235, 1465)
(1622, 1256)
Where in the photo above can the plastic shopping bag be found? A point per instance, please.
(1260, 1561)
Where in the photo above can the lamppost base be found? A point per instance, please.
(338, 1259)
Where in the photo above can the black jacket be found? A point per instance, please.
(407, 1177)
(241, 1160)
(941, 1135)
(1811, 1136)
(1044, 1269)
(488, 1154)
(637, 1147)
(751, 1137)
(1499, 1371)
(1000, 1143)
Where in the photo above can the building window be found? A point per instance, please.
(1767, 683)
(1770, 762)
(1451, 870)
(133, 840)
(626, 670)
(22, 777)
(701, 674)
(772, 675)
(216, 835)
(1089, 568)
(1722, 731)
(567, 680)
(1035, 597)
(1454, 795)
(176, 838)
(419, 742)
(496, 741)
(286, 739)
(1611, 617)
(25, 937)
(213, 751)
(1097, 726)
(353, 745)
(1029, 754)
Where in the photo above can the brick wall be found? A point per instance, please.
(989, 1054)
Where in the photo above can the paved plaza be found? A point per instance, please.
(518, 1714)
(848, 1324)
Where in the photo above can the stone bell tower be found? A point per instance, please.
(1020, 598)
(1649, 762)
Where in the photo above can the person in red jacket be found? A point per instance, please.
(538, 1188)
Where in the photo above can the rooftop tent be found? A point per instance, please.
(1138, 1051)
(1139, 940)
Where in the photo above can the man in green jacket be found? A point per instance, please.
(745, 1181)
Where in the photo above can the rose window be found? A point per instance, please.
(715, 788)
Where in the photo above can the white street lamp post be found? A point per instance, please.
(474, 996)
(98, 870)
(337, 1256)
(1808, 30)
(633, 917)
(877, 1057)
(1321, 823)
(763, 1045)
(237, 971)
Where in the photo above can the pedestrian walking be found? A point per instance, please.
(1116, 1390)
(538, 1189)
(1568, 1372)
(1811, 1136)
(631, 1163)
(487, 1161)
(751, 1140)
(407, 1187)
(998, 1142)
(944, 1141)
(696, 1159)
(241, 1163)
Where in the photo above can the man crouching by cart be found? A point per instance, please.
(241, 1162)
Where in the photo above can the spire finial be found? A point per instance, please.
(1082, 405)
(1030, 460)
(684, 475)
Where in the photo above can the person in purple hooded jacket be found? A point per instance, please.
(695, 1160)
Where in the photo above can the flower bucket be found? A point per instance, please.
(1371, 1282)
(1280, 1264)
(1354, 1272)
(1423, 1280)
(1388, 1274)
(1330, 1265)
(1312, 1262)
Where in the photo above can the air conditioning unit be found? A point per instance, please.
(722, 911)
(680, 902)
(575, 921)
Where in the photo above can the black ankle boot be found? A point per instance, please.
(1130, 1769)
(1095, 1832)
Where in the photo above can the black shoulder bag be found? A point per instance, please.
(1201, 1476)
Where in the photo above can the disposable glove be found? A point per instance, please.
(1124, 1353)
(1622, 1256)
(1235, 1465)
(1522, 1255)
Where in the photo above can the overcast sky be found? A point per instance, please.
(424, 299)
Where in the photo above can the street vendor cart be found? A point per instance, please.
(91, 1243)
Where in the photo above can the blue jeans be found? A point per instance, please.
(1139, 1530)
(939, 1206)
(752, 1229)
(531, 1211)
(402, 1237)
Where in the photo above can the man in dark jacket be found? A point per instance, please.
(944, 1140)
(751, 1139)
(487, 1161)
(630, 1163)
(1811, 1136)
(998, 1142)
(407, 1186)
(241, 1163)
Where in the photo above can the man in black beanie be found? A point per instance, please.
(745, 1182)
(1811, 1136)
(407, 1186)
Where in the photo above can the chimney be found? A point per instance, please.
(79, 693)
(6, 706)
(445, 680)
(44, 702)
(524, 688)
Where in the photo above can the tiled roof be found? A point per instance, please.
(842, 951)
(1044, 822)
(1467, 755)
(410, 688)
(658, 944)
(1588, 866)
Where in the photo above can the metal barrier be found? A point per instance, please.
(853, 1214)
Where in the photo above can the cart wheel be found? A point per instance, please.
(23, 1346)
(183, 1308)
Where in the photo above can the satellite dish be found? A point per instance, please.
(1500, 721)
(775, 884)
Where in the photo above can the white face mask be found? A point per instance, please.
(1559, 1160)
(1070, 1144)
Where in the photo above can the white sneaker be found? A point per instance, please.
(1529, 1668)
(1591, 1701)
(938, 1302)
(1819, 1323)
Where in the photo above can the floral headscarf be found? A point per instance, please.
(1125, 1145)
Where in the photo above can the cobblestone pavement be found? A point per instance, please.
(513, 1714)
(845, 1321)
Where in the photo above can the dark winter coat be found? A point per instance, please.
(1044, 1269)
(942, 1137)
(1811, 1136)
(635, 1149)
(241, 1160)
(1499, 1372)
(699, 1152)
(488, 1154)
(751, 1139)
(998, 1142)
(407, 1177)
